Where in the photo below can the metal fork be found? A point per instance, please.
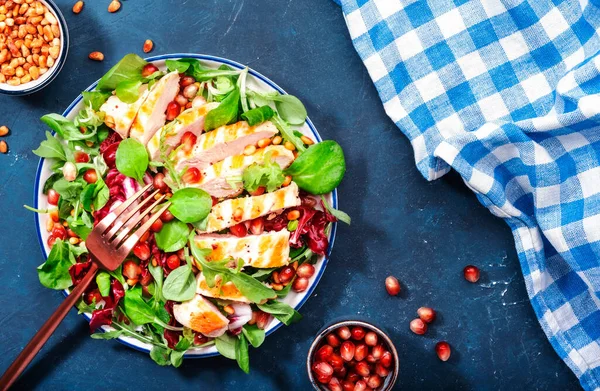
(109, 243)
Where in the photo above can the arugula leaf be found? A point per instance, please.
(225, 113)
(173, 236)
(157, 274)
(129, 68)
(190, 205)
(258, 115)
(87, 196)
(103, 281)
(128, 91)
(338, 214)
(132, 159)
(65, 128)
(117, 274)
(254, 335)
(287, 134)
(54, 273)
(180, 284)
(50, 182)
(241, 353)
(283, 312)
(95, 99)
(68, 190)
(160, 355)
(101, 194)
(225, 345)
(113, 334)
(83, 307)
(51, 148)
(268, 174)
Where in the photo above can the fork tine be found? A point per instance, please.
(112, 216)
(135, 237)
(133, 222)
(121, 221)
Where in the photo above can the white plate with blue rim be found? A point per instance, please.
(256, 81)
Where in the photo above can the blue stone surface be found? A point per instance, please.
(424, 233)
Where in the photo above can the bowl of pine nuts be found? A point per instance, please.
(34, 42)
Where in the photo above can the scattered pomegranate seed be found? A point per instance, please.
(347, 350)
(392, 286)
(239, 230)
(343, 332)
(374, 381)
(361, 351)
(173, 110)
(306, 270)
(149, 69)
(131, 270)
(386, 359)
(378, 351)
(371, 338)
(426, 314)
(417, 326)
(442, 349)
(381, 370)
(159, 182)
(333, 340)
(471, 273)
(191, 175)
(53, 197)
(142, 251)
(300, 284)
(188, 140)
(360, 386)
(81, 157)
(358, 333)
(90, 176)
(173, 262)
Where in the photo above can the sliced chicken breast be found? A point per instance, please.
(151, 115)
(227, 291)
(215, 177)
(120, 115)
(221, 215)
(202, 316)
(225, 141)
(191, 120)
(269, 249)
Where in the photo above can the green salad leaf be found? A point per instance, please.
(177, 65)
(254, 335)
(103, 281)
(258, 115)
(65, 128)
(225, 113)
(113, 334)
(173, 236)
(290, 109)
(225, 345)
(54, 273)
(288, 134)
(51, 148)
(132, 159)
(283, 312)
(160, 355)
(190, 205)
(267, 174)
(241, 353)
(68, 190)
(180, 284)
(95, 99)
(320, 168)
(129, 68)
(338, 214)
(128, 91)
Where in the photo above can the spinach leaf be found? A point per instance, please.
(132, 159)
(103, 281)
(113, 334)
(101, 194)
(65, 128)
(283, 312)
(268, 174)
(68, 190)
(50, 182)
(254, 335)
(290, 109)
(128, 91)
(136, 309)
(160, 355)
(51, 148)
(54, 273)
(241, 353)
(157, 274)
(180, 284)
(320, 168)
(225, 113)
(172, 236)
(258, 115)
(225, 345)
(129, 68)
(95, 99)
(117, 274)
(190, 205)
(87, 196)
(176, 65)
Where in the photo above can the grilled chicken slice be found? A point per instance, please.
(120, 115)
(151, 115)
(222, 214)
(202, 316)
(269, 249)
(227, 291)
(191, 120)
(215, 177)
(225, 141)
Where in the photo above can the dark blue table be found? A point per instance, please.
(424, 233)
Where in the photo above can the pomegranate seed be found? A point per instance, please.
(361, 352)
(426, 314)
(360, 386)
(173, 110)
(351, 364)
(362, 368)
(371, 338)
(323, 379)
(131, 270)
(149, 69)
(343, 332)
(322, 369)
(146, 280)
(286, 274)
(333, 340)
(300, 284)
(51, 240)
(90, 176)
(347, 385)
(181, 254)
(443, 350)
(53, 197)
(374, 381)
(257, 226)
(81, 157)
(334, 384)
(386, 359)
(59, 232)
(238, 230)
(471, 273)
(347, 350)
(353, 377)
(186, 81)
(417, 326)
(371, 359)
(145, 236)
(167, 216)
(306, 270)
(53, 214)
(159, 182)
(259, 191)
(173, 262)
(181, 100)
(157, 225)
(142, 251)
(92, 296)
(381, 371)
(262, 319)
(191, 175)
(336, 361)
(341, 372)
(188, 140)
(378, 351)
(392, 286)
(324, 352)
(358, 333)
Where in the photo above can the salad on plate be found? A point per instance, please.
(250, 206)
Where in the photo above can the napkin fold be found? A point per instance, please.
(507, 93)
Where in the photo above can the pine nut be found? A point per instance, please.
(289, 146)
(249, 150)
(277, 140)
(293, 215)
(287, 181)
(265, 142)
(307, 140)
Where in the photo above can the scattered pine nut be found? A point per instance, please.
(96, 56)
(114, 6)
(3, 131)
(77, 7)
(148, 45)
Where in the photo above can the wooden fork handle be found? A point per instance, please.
(40, 338)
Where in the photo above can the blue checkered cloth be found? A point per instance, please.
(507, 93)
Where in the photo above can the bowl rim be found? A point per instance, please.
(392, 377)
(268, 82)
(57, 67)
